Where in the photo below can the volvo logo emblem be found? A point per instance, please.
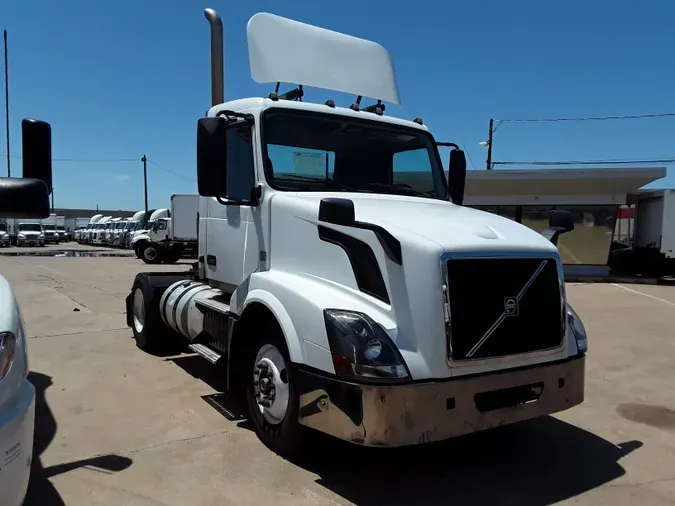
(511, 306)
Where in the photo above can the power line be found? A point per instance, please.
(473, 165)
(85, 160)
(589, 118)
(115, 160)
(589, 162)
(170, 171)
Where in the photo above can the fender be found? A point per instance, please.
(277, 309)
(298, 302)
(139, 238)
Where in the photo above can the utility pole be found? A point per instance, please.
(9, 172)
(145, 180)
(489, 146)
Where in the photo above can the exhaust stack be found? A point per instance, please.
(217, 77)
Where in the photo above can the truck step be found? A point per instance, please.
(208, 353)
(213, 305)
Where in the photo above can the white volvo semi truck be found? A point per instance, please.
(339, 278)
(21, 198)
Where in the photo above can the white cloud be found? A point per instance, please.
(121, 178)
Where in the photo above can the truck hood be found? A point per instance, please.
(452, 227)
(29, 233)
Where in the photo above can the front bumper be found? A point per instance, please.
(17, 421)
(400, 415)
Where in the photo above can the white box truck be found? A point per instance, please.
(357, 296)
(171, 236)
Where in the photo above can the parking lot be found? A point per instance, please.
(117, 426)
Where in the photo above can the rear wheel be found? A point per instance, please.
(271, 396)
(149, 330)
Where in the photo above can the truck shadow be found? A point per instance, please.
(533, 463)
(537, 462)
(41, 492)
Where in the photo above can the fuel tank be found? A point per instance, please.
(178, 309)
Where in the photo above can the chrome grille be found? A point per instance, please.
(502, 306)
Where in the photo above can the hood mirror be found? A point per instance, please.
(456, 172)
(559, 222)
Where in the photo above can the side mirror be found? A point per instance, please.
(212, 157)
(23, 198)
(36, 139)
(457, 176)
(559, 222)
(559, 218)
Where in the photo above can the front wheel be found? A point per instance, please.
(271, 396)
(151, 254)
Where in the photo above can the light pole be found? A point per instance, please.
(145, 180)
(488, 144)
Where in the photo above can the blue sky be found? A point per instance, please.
(120, 79)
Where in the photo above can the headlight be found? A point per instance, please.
(577, 328)
(361, 348)
(21, 236)
(7, 350)
(42, 236)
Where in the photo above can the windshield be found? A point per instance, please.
(3, 227)
(312, 152)
(61, 229)
(48, 227)
(30, 227)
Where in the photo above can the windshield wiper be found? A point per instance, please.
(403, 189)
(327, 182)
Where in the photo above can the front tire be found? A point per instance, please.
(271, 395)
(151, 254)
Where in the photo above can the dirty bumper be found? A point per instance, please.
(424, 412)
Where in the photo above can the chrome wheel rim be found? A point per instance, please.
(139, 311)
(270, 384)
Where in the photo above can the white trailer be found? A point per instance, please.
(341, 298)
(652, 249)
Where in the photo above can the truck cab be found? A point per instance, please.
(339, 276)
(30, 233)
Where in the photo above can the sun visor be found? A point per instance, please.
(287, 51)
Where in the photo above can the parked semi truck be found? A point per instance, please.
(339, 277)
(20, 199)
(651, 249)
(137, 222)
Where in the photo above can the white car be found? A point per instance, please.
(17, 402)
